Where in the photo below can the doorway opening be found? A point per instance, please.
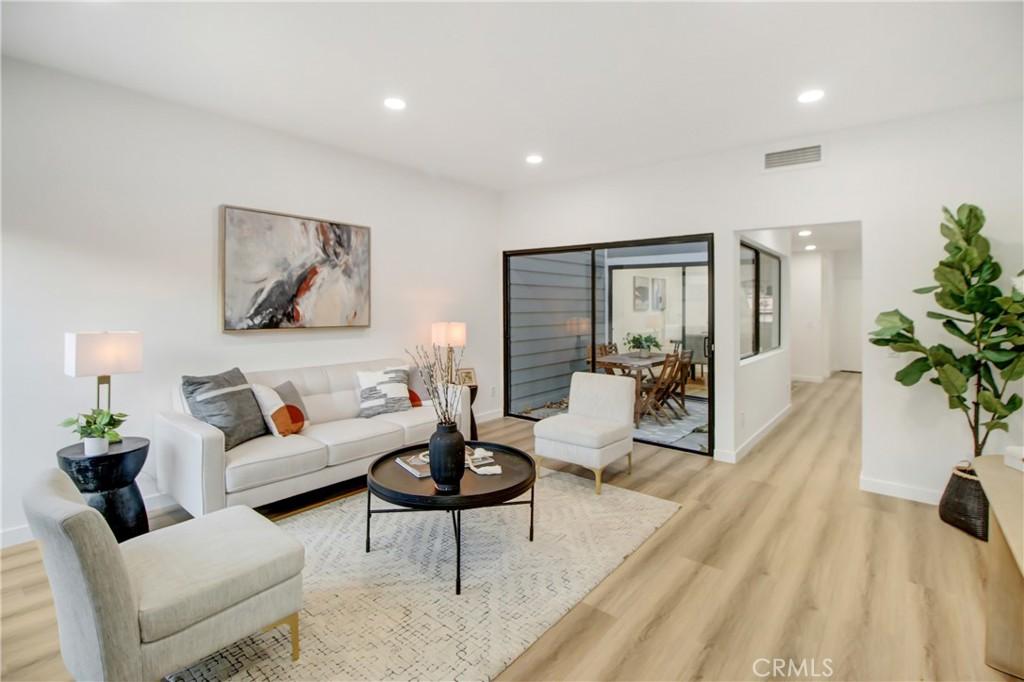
(642, 309)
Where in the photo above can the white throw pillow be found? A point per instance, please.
(383, 391)
(283, 419)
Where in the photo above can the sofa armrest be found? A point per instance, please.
(462, 418)
(191, 462)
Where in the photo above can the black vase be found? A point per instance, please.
(447, 458)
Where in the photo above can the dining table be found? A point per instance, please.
(634, 365)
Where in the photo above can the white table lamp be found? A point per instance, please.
(101, 354)
(450, 335)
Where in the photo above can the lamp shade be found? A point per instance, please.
(94, 354)
(448, 334)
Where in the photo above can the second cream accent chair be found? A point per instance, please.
(157, 603)
(597, 429)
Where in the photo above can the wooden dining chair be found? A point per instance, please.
(677, 393)
(652, 400)
(596, 352)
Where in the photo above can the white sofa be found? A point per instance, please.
(336, 445)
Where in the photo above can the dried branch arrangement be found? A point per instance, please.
(437, 365)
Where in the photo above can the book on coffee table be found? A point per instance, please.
(415, 464)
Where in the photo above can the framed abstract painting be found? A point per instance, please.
(282, 271)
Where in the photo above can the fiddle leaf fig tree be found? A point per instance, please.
(987, 324)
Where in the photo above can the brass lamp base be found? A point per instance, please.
(103, 381)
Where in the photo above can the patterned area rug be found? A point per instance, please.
(393, 614)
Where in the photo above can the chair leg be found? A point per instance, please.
(292, 622)
(597, 481)
(629, 463)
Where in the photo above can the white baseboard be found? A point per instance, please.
(906, 492)
(488, 416)
(15, 535)
(808, 379)
(734, 456)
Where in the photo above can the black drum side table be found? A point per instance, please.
(108, 483)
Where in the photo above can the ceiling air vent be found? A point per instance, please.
(792, 157)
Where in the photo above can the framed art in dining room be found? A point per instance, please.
(641, 293)
(281, 271)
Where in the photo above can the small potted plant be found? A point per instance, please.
(97, 429)
(642, 343)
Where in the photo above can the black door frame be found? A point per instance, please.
(706, 237)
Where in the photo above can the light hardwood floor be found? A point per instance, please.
(780, 556)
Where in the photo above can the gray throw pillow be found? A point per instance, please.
(225, 400)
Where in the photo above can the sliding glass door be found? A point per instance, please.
(578, 309)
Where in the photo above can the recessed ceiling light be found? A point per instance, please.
(394, 103)
(808, 96)
(810, 247)
(534, 159)
(804, 233)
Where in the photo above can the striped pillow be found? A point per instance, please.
(226, 401)
(384, 391)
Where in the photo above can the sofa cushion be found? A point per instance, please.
(225, 400)
(417, 423)
(351, 439)
(577, 430)
(267, 459)
(190, 571)
(331, 392)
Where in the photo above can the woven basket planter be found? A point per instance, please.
(963, 504)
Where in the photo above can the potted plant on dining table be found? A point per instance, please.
(643, 343)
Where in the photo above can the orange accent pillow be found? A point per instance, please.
(414, 398)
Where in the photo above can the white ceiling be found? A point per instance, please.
(827, 237)
(592, 87)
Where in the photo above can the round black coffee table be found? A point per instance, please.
(108, 482)
(392, 483)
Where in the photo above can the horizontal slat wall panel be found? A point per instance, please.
(534, 279)
(539, 359)
(521, 348)
(550, 293)
(541, 372)
(577, 308)
(549, 314)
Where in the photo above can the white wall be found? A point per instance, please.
(892, 177)
(110, 221)
(847, 282)
(664, 324)
(809, 359)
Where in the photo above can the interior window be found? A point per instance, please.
(760, 301)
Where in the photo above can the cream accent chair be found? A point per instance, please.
(159, 602)
(597, 429)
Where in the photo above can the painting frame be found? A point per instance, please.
(466, 376)
(641, 293)
(226, 328)
(659, 288)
